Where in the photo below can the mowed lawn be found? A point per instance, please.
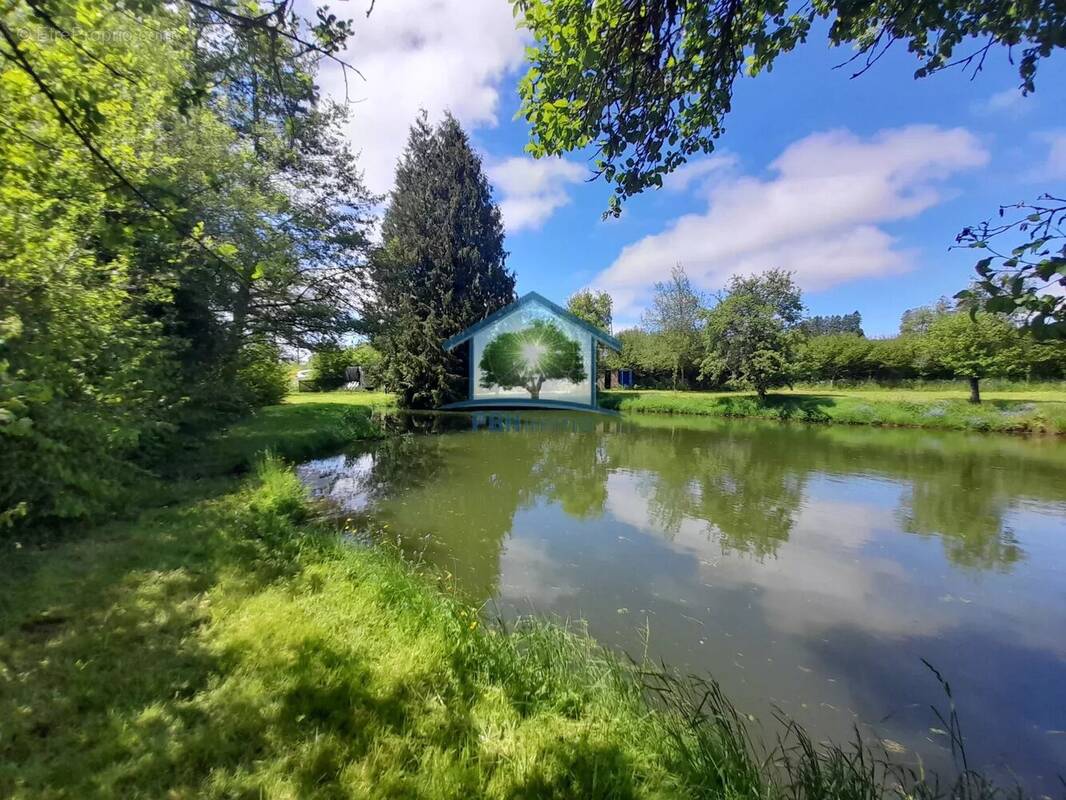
(1040, 408)
(1017, 408)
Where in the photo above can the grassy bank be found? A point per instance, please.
(1015, 410)
(232, 645)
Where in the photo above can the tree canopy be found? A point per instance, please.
(593, 307)
(1024, 271)
(751, 333)
(984, 346)
(440, 267)
(833, 323)
(675, 317)
(649, 84)
(178, 205)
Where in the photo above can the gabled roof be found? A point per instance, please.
(526, 299)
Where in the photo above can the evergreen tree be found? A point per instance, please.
(440, 267)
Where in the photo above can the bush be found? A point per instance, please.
(262, 379)
(329, 364)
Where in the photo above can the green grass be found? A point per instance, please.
(234, 645)
(306, 424)
(1036, 410)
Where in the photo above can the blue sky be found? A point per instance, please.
(858, 185)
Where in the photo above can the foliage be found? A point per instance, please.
(284, 662)
(593, 307)
(982, 346)
(1029, 282)
(750, 336)
(328, 365)
(646, 353)
(440, 267)
(173, 196)
(529, 357)
(262, 379)
(675, 317)
(650, 84)
(916, 321)
(834, 356)
(834, 323)
(1010, 412)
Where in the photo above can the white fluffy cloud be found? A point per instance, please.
(1010, 100)
(440, 55)
(696, 173)
(530, 190)
(818, 215)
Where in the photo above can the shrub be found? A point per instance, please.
(329, 364)
(262, 379)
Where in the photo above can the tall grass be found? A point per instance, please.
(239, 646)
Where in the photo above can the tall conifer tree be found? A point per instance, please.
(440, 267)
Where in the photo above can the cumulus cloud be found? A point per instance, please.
(440, 55)
(530, 190)
(1009, 100)
(696, 173)
(817, 215)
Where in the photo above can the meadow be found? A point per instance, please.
(1035, 408)
(227, 639)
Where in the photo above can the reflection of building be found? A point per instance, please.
(532, 353)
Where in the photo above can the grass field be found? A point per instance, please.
(1036, 409)
(228, 643)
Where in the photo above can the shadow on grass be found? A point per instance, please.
(293, 432)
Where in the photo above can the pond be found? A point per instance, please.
(807, 569)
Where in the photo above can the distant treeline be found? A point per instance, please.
(673, 349)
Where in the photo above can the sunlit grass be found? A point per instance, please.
(1017, 410)
(235, 645)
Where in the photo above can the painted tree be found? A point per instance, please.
(539, 352)
(440, 267)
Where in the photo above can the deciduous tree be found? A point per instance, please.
(750, 335)
(593, 307)
(649, 84)
(983, 346)
(675, 317)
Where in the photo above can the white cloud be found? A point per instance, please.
(818, 215)
(440, 55)
(1009, 100)
(696, 173)
(1054, 167)
(531, 189)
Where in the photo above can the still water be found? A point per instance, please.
(806, 569)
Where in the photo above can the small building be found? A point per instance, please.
(532, 353)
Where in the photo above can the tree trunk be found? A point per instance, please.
(975, 391)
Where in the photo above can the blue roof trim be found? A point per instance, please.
(529, 297)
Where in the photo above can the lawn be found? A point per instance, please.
(227, 641)
(1038, 409)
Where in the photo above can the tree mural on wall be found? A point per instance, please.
(539, 352)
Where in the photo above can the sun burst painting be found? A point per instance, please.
(532, 353)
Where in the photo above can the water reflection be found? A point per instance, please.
(811, 568)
